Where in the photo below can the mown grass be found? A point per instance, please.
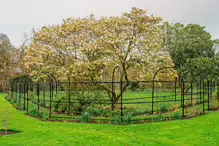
(202, 130)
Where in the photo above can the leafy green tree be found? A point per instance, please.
(208, 67)
(185, 43)
(216, 46)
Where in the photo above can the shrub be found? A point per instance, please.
(187, 103)
(117, 120)
(177, 116)
(44, 115)
(13, 101)
(85, 117)
(34, 112)
(193, 102)
(175, 107)
(58, 106)
(104, 113)
(164, 108)
(214, 103)
(7, 97)
(126, 119)
(134, 86)
(194, 111)
(158, 118)
(82, 99)
(76, 108)
(20, 106)
(132, 111)
(92, 111)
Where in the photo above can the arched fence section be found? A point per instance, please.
(167, 96)
(117, 90)
(214, 93)
(183, 95)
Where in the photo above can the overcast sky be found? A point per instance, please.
(20, 16)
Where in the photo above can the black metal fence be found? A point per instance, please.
(104, 102)
(117, 101)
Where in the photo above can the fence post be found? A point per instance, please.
(183, 97)
(38, 97)
(191, 92)
(12, 90)
(175, 88)
(152, 110)
(69, 97)
(112, 98)
(44, 94)
(121, 100)
(181, 92)
(51, 96)
(211, 90)
(19, 93)
(17, 90)
(200, 91)
(203, 98)
(27, 98)
(208, 95)
(24, 96)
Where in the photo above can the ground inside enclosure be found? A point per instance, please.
(203, 130)
(82, 102)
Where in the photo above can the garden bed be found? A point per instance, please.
(9, 132)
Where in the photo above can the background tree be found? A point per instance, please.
(8, 60)
(4, 38)
(208, 67)
(185, 43)
(216, 46)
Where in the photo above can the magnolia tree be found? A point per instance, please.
(87, 49)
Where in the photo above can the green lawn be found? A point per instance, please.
(202, 130)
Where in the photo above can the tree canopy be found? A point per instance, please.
(89, 48)
(185, 43)
(8, 60)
